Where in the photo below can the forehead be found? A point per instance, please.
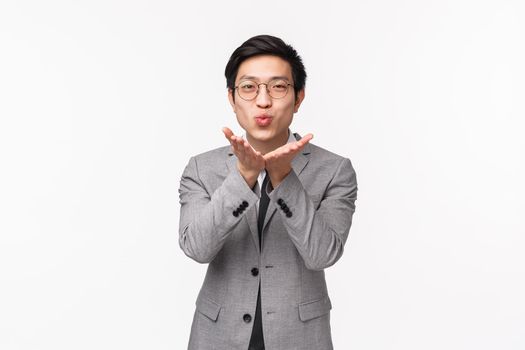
(264, 67)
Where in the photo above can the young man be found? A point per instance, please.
(268, 213)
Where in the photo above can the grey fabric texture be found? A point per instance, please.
(218, 227)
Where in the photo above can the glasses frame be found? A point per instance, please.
(258, 87)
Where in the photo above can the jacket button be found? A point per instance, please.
(255, 271)
(280, 201)
(247, 318)
(289, 214)
(286, 210)
(235, 213)
(244, 204)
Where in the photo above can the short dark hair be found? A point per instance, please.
(266, 45)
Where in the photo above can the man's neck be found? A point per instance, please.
(267, 147)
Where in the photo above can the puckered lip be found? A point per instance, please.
(263, 116)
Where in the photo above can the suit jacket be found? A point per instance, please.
(306, 227)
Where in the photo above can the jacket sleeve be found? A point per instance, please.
(318, 234)
(206, 220)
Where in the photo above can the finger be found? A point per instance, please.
(244, 154)
(227, 132)
(292, 147)
(308, 136)
(239, 145)
(239, 141)
(287, 150)
(270, 156)
(248, 150)
(251, 153)
(230, 136)
(305, 139)
(238, 148)
(233, 142)
(259, 156)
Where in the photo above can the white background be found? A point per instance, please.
(103, 102)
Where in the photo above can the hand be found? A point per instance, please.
(249, 161)
(278, 162)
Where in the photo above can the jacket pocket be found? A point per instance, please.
(208, 308)
(315, 308)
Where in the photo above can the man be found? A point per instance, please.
(268, 213)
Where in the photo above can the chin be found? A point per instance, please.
(262, 135)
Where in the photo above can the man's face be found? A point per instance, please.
(250, 114)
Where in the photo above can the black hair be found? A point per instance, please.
(266, 45)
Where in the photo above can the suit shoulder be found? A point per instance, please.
(212, 155)
(210, 165)
(321, 158)
(325, 155)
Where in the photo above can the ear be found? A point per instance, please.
(231, 98)
(298, 100)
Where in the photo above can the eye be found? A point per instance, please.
(248, 86)
(279, 85)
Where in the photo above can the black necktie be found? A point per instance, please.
(263, 206)
(257, 340)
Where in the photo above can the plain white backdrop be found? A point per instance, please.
(103, 102)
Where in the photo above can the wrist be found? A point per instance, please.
(277, 176)
(249, 175)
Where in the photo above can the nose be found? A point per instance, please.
(263, 99)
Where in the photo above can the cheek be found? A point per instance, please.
(242, 115)
(288, 109)
(241, 111)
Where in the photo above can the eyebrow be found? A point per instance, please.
(251, 77)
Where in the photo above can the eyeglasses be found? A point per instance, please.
(248, 90)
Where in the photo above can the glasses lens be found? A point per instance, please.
(248, 89)
(278, 88)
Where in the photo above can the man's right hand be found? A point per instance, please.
(249, 161)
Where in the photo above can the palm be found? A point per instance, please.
(287, 152)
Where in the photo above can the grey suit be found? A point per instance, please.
(218, 225)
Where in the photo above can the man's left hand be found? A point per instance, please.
(278, 162)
